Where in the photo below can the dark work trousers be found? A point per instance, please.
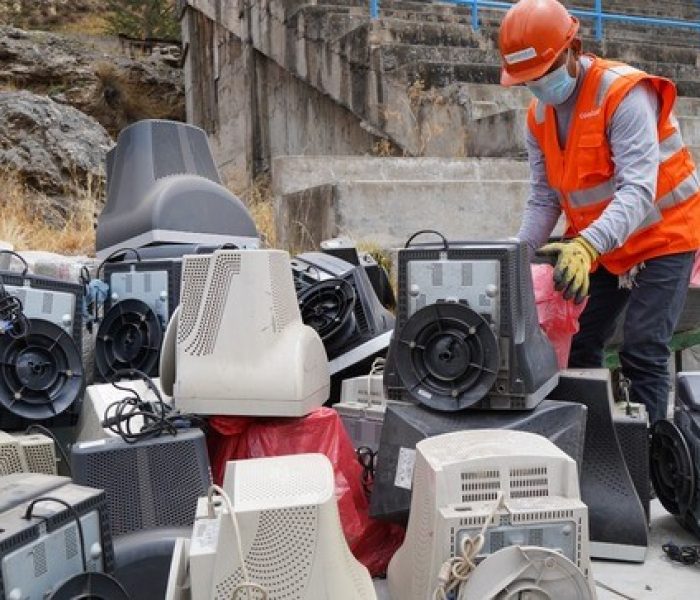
(654, 306)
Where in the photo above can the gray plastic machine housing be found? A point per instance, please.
(39, 554)
(164, 188)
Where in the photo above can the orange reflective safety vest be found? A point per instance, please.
(583, 173)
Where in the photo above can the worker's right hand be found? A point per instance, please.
(573, 260)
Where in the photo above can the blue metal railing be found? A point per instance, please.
(597, 15)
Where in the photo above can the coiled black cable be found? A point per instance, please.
(688, 555)
(14, 322)
(367, 459)
(156, 418)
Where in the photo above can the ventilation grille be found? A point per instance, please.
(194, 280)
(480, 486)
(71, 542)
(151, 485)
(543, 515)
(281, 556)
(262, 485)
(169, 158)
(178, 478)
(416, 537)
(47, 303)
(108, 471)
(10, 457)
(360, 316)
(529, 483)
(39, 557)
(285, 309)
(40, 455)
(226, 265)
(472, 521)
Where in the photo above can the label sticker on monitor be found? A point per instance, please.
(404, 468)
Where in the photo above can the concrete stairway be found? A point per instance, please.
(421, 78)
(404, 75)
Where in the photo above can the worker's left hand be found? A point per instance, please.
(573, 261)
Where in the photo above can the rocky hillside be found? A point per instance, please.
(48, 14)
(113, 88)
(66, 91)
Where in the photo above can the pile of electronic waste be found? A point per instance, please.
(508, 474)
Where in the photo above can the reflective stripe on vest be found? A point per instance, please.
(672, 144)
(683, 192)
(593, 195)
(609, 77)
(606, 189)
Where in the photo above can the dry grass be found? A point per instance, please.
(122, 100)
(259, 199)
(26, 220)
(93, 23)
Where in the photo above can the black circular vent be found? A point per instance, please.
(129, 337)
(90, 586)
(328, 306)
(41, 374)
(447, 356)
(672, 471)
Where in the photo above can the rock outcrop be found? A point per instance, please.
(52, 148)
(113, 88)
(39, 14)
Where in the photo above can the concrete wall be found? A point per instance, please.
(252, 108)
(294, 173)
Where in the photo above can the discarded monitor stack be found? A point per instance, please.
(468, 354)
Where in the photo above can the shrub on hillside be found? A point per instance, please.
(142, 19)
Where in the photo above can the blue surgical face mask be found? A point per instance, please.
(554, 88)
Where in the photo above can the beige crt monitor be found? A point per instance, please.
(519, 484)
(291, 537)
(237, 344)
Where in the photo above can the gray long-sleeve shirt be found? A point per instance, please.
(633, 138)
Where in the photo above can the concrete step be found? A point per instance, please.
(503, 134)
(678, 63)
(295, 173)
(689, 107)
(388, 212)
(438, 74)
(442, 74)
(488, 99)
(669, 10)
(661, 10)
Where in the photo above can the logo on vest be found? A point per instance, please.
(590, 114)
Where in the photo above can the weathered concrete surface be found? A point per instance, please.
(500, 134)
(308, 218)
(254, 109)
(293, 173)
(388, 212)
(503, 134)
(418, 76)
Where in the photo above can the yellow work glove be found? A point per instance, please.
(572, 264)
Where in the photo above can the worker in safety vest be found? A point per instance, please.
(605, 148)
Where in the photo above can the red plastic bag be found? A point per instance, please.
(695, 276)
(372, 542)
(558, 317)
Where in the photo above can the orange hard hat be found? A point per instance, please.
(533, 34)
